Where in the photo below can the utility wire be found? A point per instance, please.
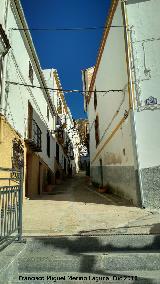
(68, 29)
(61, 90)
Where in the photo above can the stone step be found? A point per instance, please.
(109, 252)
(9, 254)
(138, 277)
(81, 254)
(90, 262)
(8, 257)
(94, 243)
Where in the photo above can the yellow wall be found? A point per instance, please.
(7, 134)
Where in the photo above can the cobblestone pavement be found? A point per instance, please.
(76, 208)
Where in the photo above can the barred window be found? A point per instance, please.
(48, 144)
(36, 135)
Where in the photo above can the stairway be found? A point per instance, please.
(86, 259)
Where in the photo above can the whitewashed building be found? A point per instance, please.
(123, 103)
(27, 111)
(66, 136)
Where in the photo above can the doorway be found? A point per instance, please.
(40, 179)
(65, 165)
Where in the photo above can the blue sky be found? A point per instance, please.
(67, 51)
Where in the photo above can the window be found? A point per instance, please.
(97, 130)
(65, 168)
(57, 152)
(30, 72)
(49, 177)
(58, 120)
(48, 144)
(95, 99)
(47, 112)
(36, 136)
(59, 107)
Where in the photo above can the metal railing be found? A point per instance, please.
(11, 195)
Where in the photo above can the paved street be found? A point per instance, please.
(76, 208)
(91, 256)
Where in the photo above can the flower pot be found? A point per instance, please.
(58, 181)
(49, 188)
(102, 189)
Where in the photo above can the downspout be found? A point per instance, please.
(129, 54)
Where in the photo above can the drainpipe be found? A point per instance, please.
(132, 91)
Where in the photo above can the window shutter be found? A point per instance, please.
(30, 118)
(97, 130)
(48, 144)
(95, 99)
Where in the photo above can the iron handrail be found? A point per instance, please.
(11, 207)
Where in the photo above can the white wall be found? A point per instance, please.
(15, 101)
(130, 148)
(112, 74)
(145, 18)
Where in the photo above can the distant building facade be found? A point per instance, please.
(66, 128)
(82, 126)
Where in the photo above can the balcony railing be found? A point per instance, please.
(60, 135)
(58, 121)
(35, 140)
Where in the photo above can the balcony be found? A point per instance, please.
(72, 157)
(60, 135)
(60, 138)
(65, 149)
(34, 137)
(58, 121)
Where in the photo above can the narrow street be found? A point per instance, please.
(79, 142)
(77, 208)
